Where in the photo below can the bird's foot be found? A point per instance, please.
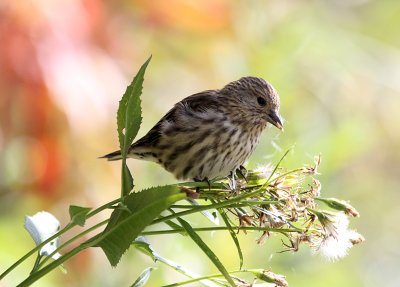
(203, 180)
(232, 181)
(242, 172)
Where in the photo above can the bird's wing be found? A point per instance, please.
(189, 107)
(153, 136)
(201, 102)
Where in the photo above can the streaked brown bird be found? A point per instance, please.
(210, 134)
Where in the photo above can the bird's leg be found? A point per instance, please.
(197, 187)
(242, 171)
(232, 180)
(202, 180)
(208, 183)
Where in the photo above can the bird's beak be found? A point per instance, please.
(274, 119)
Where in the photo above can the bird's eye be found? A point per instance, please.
(261, 101)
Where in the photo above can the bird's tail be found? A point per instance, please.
(116, 155)
(134, 152)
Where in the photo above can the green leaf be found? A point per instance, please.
(126, 179)
(211, 255)
(143, 278)
(145, 248)
(124, 226)
(129, 116)
(78, 214)
(340, 205)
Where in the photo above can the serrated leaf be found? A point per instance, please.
(210, 254)
(78, 214)
(129, 118)
(125, 226)
(143, 278)
(129, 115)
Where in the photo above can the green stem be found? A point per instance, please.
(37, 263)
(238, 200)
(104, 206)
(73, 239)
(243, 203)
(40, 273)
(212, 276)
(203, 278)
(226, 203)
(285, 174)
(217, 228)
(276, 167)
(214, 185)
(123, 167)
(179, 268)
(37, 248)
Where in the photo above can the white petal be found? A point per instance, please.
(41, 226)
(32, 229)
(49, 248)
(56, 256)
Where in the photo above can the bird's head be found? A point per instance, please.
(255, 98)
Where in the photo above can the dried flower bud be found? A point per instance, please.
(263, 238)
(270, 277)
(356, 238)
(340, 205)
(316, 188)
(313, 169)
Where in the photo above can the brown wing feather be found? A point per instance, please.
(197, 103)
(202, 101)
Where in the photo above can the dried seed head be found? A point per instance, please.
(340, 205)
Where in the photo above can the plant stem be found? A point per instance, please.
(58, 234)
(40, 273)
(226, 203)
(32, 251)
(37, 263)
(180, 268)
(242, 204)
(73, 239)
(218, 228)
(104, 206)
(202, 278)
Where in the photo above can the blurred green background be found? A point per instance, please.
(65, 64)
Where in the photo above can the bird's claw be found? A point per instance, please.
(232, 181)
(203, 180)
(242, 171)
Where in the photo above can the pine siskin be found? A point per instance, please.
(212, 133)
